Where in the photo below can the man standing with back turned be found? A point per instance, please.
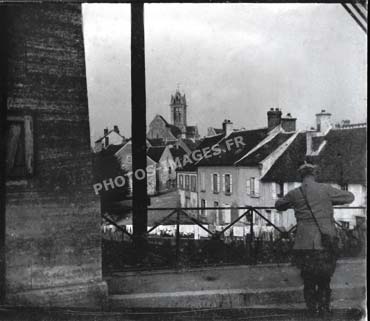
(313, 205)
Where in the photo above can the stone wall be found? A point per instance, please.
(53, 241)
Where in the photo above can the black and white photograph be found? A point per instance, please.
(182, 161)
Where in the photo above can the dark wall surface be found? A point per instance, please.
(52, 214)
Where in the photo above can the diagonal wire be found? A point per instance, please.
(346, 7)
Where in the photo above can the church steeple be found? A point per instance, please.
(178, 110)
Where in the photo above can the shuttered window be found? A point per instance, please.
(20, 151)
(253, 187)
(193, 183)
(228, 187)
(215, 183)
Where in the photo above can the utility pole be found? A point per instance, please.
(138, 129)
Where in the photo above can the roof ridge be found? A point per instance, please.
(264, 141)
(288, 142)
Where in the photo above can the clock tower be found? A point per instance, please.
(178, 111)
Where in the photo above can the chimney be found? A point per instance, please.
(288, 123)
(323, 121)
(346, 123)
(105, 131)
(115, 128)
(273, 118)
(227, 127)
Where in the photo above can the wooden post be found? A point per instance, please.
(138, 129)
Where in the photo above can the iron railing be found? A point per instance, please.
(250, 213)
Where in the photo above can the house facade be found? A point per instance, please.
(165, 167)
(110, 137)
(265, 168)
(124, 156)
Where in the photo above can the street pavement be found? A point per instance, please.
(263, 314)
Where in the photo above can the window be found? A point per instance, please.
(344, 224)
(20, 153)
(129, 159)
(253, 187)
(215, 183)
(187, 183)
(217, 213)
(193, 183)
(252, 184)
(344, 187)
(280, 189)
(203, 204)
(181, 181)
(226, 214)
(169, 169)
(269, 217)
(228, 184)
(203, 182)
(187, 201)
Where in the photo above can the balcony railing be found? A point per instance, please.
(175, 251)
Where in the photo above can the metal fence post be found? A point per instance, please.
(252, 247)
(177, 236)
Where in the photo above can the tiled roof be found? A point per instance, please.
(112, 149)
(209, 141)
(316, 142)
(265, 150)
(175, 131)
(155, 153)
(191, 128)
(192, 144)
(342, 160)
(156, 142)
(177, 152)
(101, 138)
(285, 168)
(218, 130)
(227, 157)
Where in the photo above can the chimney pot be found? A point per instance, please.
(288, 123)
(323, 110)
(273, 118)
(227, 127)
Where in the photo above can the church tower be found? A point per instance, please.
(178, 111)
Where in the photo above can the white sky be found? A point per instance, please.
(232, 61)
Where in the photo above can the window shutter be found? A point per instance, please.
(13, 142)
(257, 187)
(273, 191)
(248, 186)
(28, 136)
(218, 182)
(223, 183)
(231, 183)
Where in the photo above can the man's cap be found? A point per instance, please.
(306, 166)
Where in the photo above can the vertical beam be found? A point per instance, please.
(3, 111)
(138, 127)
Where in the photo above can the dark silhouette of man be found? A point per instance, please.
(317, 264)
